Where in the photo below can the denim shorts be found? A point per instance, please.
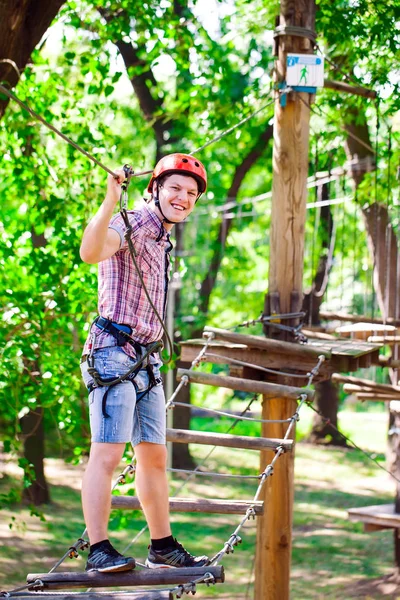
(129, 420)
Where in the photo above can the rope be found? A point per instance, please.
(242, 363)
(216, 475)
(318, 111)
(230, 415)
(235, 539)
(178, 490)
(347, 439)
(36, 115)
(195, 363)
(242, 122)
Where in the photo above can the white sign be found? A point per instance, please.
(305, 70)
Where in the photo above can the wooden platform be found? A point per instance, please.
(377, 517)
(341, 355)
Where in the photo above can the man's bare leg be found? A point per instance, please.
(152, 487)
(96, 488)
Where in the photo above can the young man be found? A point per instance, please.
(133, 410)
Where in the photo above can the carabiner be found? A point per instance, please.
(123, 201)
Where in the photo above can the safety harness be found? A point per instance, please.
(123, 335)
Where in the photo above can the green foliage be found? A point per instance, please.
(198, 77)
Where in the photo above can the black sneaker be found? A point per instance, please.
(174, 556)
(108, 560)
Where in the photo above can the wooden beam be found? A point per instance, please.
(369, 528)
(269, 390)
(339, 316)
(350, 388)
(144, 595)
(196, 505)
(383, 515)
(366, 383)
(256, 341)
(362, 396)
(63, 580)
(318, 335)
(356, 90)
(185, 436)
(388, 340)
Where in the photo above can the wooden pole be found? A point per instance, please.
(288, 215)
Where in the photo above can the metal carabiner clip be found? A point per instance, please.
(124, 186)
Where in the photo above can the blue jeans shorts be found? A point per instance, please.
(128, 421)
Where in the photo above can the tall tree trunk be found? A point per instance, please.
(22, 25)
(384, 248)
(326, 399)
(32, 425)
(33, 438)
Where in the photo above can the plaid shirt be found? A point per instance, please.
(120, 292)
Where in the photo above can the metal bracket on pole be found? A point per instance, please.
(282, 97)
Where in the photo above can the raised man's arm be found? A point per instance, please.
(99, 241)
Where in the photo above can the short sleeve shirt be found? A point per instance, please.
(121, 296)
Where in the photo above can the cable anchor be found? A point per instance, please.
(209, 579)
(251, 513)
(233, 541)
(186, 588)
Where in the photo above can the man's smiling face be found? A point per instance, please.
(177, 196)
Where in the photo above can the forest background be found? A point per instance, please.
(130, 82)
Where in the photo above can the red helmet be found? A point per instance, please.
(180, 163)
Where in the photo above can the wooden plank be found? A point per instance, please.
(318, 335)
(381, 515)
(349, 348)
(364, 329)
(369, 528)
(273, 359)
(387, 340)
(196, 505)
(186, 436)
(366, 383)
(271, 390)
(377, 397)
(350, 388)
(255, 341)
(144, 595)
(340, 316)
(62, 580)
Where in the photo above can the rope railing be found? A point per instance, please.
(235, 539)
(229, 415)
(195, 363)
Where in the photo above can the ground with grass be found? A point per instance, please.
(332, 557)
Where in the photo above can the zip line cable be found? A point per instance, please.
(36, 115)
(224, 133)
(347, 439)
